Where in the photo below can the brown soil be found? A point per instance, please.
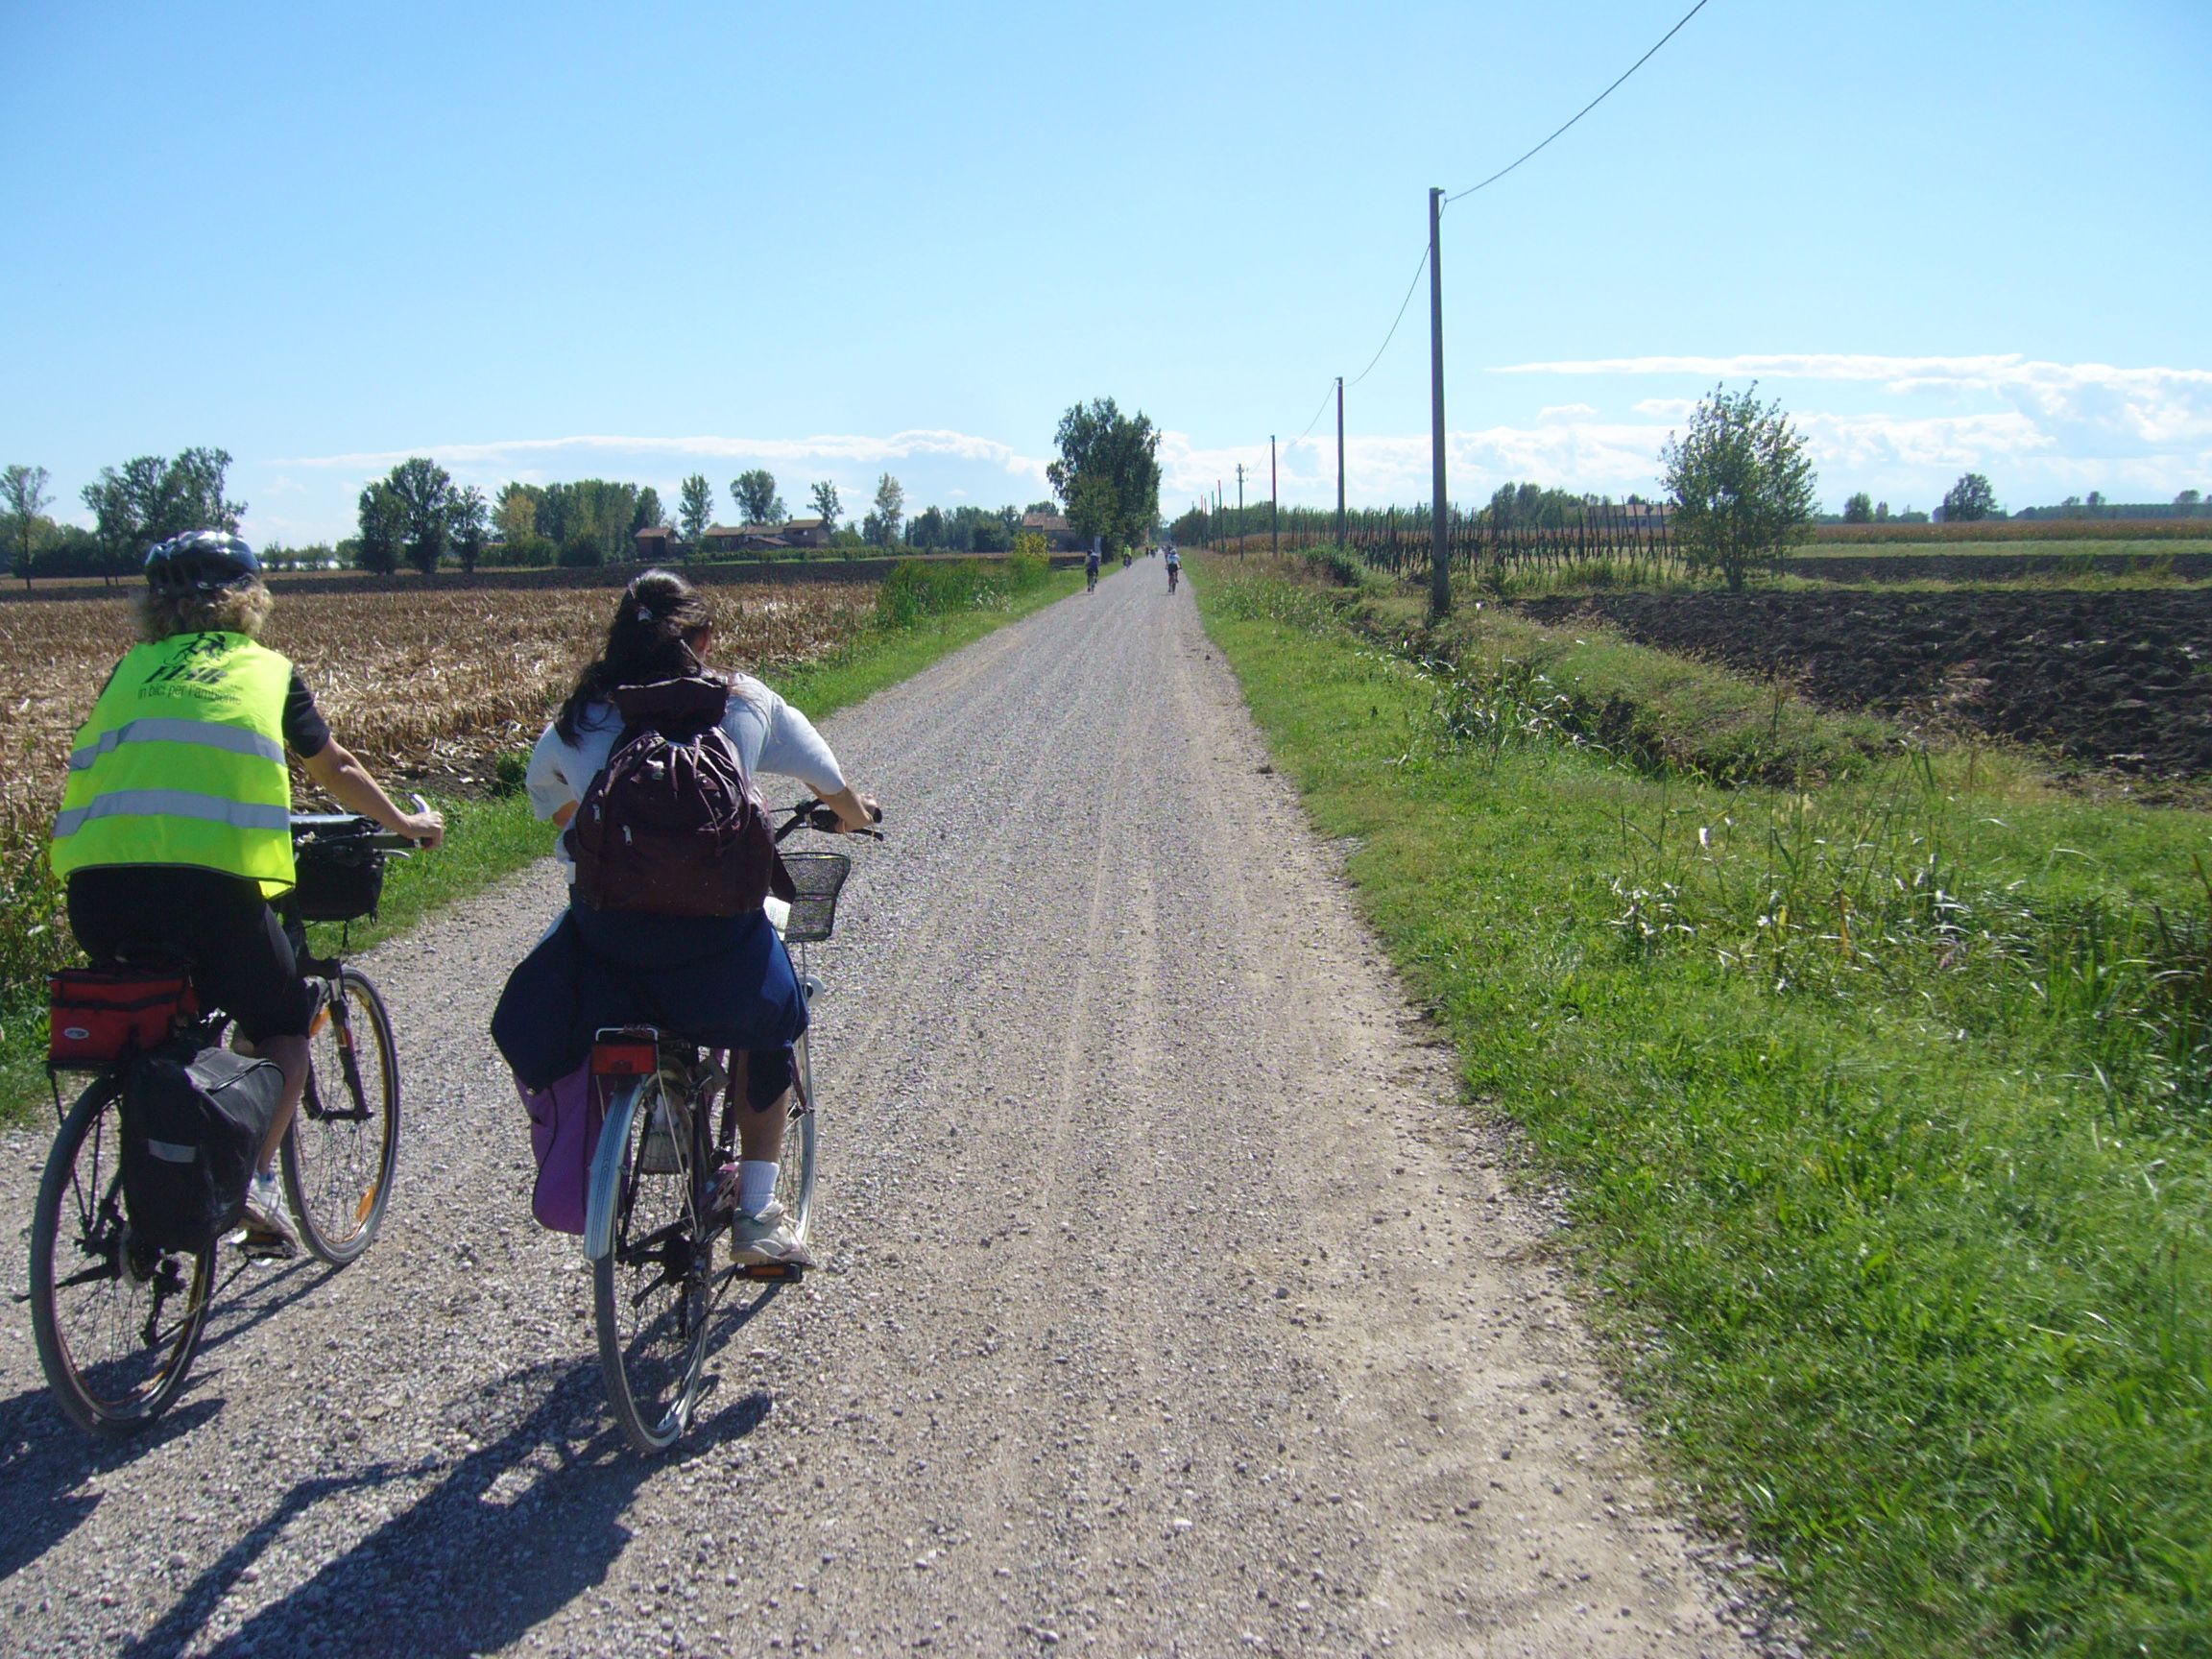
(2112, 679)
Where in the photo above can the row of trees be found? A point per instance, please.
(148, 499)
(1971, 500)
(1107, 477)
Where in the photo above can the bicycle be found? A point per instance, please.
(1174, 573)
(117, 1323)
(1090, 578)
(652, 1217)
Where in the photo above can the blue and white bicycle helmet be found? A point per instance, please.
(201, 562)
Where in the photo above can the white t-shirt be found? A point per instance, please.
(769, 734)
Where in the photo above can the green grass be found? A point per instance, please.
(1882, 1109)
(489, 840)
(1503, 676)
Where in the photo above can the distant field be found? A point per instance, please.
(2020, 530)
(2017, 547)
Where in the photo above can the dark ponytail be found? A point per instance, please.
(645, 642)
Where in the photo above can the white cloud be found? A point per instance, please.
(2052, 426)
(851, 449)
(1565, 412)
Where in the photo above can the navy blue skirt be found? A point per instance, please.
(720, 981)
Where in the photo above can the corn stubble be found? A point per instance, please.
(429, 686)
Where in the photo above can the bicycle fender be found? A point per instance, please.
(607, 1170)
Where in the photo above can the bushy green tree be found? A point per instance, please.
(755, 494)
(471, 516)
(428, 490)
(516, 513)
(1969, 500)
(1740, 484)
(383, 517)
(695, 508)
(23, 504)
(1858, 508)
(1108, 471)
(927, 529)
(150, 499)
(823, 498)
(880, 528)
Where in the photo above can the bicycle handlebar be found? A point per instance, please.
(350, 828)
(811, 814)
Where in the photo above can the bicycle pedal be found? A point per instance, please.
(772, 1270)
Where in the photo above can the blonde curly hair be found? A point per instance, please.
(241, 610)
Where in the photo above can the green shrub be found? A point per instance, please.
(919, 587)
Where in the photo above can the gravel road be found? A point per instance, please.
(1172, 1306)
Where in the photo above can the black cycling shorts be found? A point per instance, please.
(241, 961)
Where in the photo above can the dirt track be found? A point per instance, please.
(1173, 1305)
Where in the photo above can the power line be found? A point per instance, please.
(1326, 399)
(1401, 317)
(1587, 108)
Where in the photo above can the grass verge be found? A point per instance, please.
(1883, 1106)
(489, 840)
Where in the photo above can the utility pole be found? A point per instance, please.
(1274, 504)
(1340, 460)
(1240, 508)
(1439, 565)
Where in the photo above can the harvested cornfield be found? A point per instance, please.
(428, 688)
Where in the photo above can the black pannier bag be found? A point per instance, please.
(339, 880)
(191, 1130)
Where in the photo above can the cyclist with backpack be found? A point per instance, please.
(175, 827)
(1090, 566)
(1174, 569)
(648, 770)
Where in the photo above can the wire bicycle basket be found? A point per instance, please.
(819, 877)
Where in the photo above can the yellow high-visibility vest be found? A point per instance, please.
(183, 762)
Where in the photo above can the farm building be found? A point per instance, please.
(766, 538)
(1053, 527)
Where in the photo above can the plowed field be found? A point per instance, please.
(2113, 680)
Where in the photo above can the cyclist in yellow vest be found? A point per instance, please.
(174, 832)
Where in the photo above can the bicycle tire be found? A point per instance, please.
(795, 1165)
(652, 1284)
(117, 1393)
(343, 1149)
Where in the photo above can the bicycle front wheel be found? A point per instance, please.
(652, 1284)
(342, 1148)
(117, 1323)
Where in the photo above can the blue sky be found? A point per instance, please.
(554, 241)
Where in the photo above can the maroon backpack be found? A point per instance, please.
(671, 824)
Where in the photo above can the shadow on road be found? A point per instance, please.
(45, 1461)
(505, 1538)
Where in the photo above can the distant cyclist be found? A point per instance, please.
(1090, 566)
(1174, 569)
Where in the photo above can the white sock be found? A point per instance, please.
(755, 1183)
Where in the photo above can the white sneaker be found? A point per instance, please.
(769, 1239)
(268, 1230)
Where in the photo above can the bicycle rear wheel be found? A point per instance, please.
(652, 1284)
(116, 1324)
(342, 1148)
